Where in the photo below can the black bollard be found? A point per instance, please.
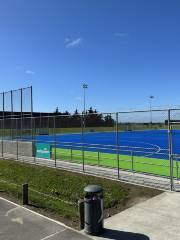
(25, 194)
(81, 213)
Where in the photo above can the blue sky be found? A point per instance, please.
(125, 50)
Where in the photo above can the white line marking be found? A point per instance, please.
(52, 235)
(148, 154)
(10, 211)
(40, 215)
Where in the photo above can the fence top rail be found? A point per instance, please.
(174, 122)
(14, 90)
(153, 110)
(29, 114)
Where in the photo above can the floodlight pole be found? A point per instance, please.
(150, 107)
(11, 114)
(85, 86)
(32, 125)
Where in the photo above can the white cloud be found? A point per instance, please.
(29, 72)
(120, 34)
(73, 43)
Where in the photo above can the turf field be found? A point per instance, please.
(143, 151)
(132, 163)
(152, 143)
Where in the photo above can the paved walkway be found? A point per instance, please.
(155, 219)
(18, 223)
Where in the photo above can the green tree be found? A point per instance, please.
(108, 121)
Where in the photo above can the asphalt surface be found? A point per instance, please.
(19, 223)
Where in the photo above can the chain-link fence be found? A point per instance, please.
(15, 111)
(125, 145)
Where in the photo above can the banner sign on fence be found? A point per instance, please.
(43, 150)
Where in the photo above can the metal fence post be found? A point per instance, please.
(48, 123)
(17, 149)
(71, 154)
(2, 138)
(54, 140)
(32, 128)
(82, 139)
(117, 142)
(98, 159)
(132, 161)
(33, 139)
(11, 114)
(21, 111)
(34, 150)
(177, 169)
(170, 151)
(55, 153)
(3, 130)
(1, 147)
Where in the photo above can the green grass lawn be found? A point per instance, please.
(140, 164)
(62, 189)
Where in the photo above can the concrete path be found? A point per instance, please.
(155, 219)
(18, 223)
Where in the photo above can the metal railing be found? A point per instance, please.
(139, 141)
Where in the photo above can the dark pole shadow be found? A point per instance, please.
(120, 235)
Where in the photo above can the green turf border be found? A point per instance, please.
(155, 166)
